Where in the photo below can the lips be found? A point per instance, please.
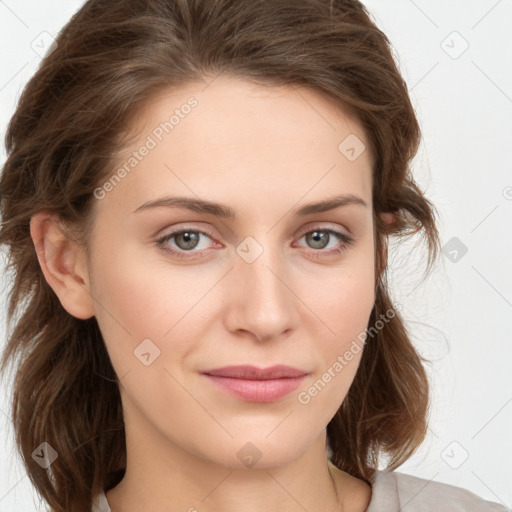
(256, 384)
(254, 373)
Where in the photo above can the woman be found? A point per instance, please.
(196, 202)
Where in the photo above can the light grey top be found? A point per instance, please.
(399, 492)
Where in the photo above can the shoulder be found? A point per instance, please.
(396, 491)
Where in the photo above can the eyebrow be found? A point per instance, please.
(223, 211)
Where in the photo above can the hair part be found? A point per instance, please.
(71, 122)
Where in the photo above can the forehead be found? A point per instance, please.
(253, 109)
(233, 135)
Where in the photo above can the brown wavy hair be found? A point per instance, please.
(62, 142)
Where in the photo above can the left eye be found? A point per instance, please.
(321, 237)
(186, 240)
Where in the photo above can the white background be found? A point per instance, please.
(460, 316)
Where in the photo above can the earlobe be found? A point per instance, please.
(62, 262)
(388, 218)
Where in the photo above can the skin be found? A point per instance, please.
(263, 151)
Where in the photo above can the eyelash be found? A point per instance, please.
(346, 240)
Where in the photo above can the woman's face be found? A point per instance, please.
(264, 286)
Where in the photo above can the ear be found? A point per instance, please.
(63, 264)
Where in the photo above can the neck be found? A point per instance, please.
(180, 481)
(166, 475)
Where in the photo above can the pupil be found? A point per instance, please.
(189, 239)
(317, 238)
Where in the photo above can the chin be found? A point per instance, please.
(258, 452)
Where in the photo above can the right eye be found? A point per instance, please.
(185, 240)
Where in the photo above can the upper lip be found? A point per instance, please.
(252, 372)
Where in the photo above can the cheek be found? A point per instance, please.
(343, 297)
(139, 298)
(343, 303)
(340, 349)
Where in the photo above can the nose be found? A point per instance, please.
(260, 298)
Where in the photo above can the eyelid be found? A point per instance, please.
(179, 229)
(322, 225)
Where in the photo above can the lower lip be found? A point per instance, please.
(268, 390)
